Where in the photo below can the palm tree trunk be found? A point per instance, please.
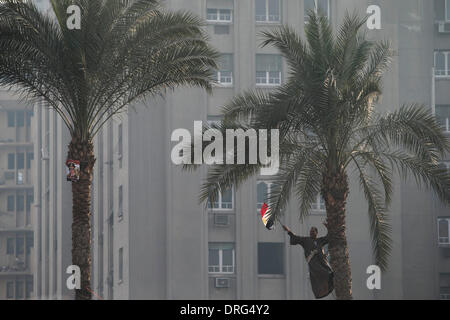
(81, 210)
(335, 192)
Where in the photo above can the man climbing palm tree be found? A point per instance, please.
(320, 272)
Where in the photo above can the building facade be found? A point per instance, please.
(16, 198)
(153, 240)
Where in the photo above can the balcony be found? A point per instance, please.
(18, 268)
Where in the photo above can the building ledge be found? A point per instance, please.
(16, 144)
(22, 229)
(16, 187)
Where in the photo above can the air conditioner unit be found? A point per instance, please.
(443, 27)
(221, 220)
(222, 283)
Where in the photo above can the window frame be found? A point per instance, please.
(442, 73)
(220, 71)
(120, 265)
(267, 77)
(448, 232)
(221, 266)
(446, 125)
(267, 13)
(219, 203)
(316, 10)
(218, 14)
(317, 205)
(120, 202)
(269, 190)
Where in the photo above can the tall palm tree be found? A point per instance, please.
(329, 129)
(124, 50)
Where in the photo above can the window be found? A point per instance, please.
(214, 120)
(224, 201)
(267, 10)
(28, 289)
(10, 246)
(270, 258)
(443, 231)
(221, 258)
(441, 65)
(219, 15)
(19, 289)
(319, 204)
(11, 119)
(20, 160)
(20, 200)
(30, 199)
(225, 72)
(10, 203)
(443, 116)
(29, 114)
(11, 161)
(268, 69)
(20, 245)
(120, 211)
(120, 138)
(318, 6)
(20, 118)
(29, 244)
(444, 286)
(30, 157)
(447, 10)
(120, 264)
(10, 290)
(263, 190)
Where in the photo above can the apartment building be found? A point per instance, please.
(153, 240)
(16, 198)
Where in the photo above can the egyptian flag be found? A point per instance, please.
(267, 216)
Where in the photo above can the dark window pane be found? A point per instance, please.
(20, 117)
(260, 8)
(30, 157)
(270, 258)
(213, 257)
(29, 116)
(10, 246)
(11, 118)
(30, 244)
(20, 245)
(19, 289)
(11, 161)
(20, 203)
(227, 257)
(21, 160)
(10, 290)
(30, 199)
(261, 193)
(29, 289)
(11, 203)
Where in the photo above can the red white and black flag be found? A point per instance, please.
(267, 216)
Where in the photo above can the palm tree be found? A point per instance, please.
(329, 129)
(124, 50)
